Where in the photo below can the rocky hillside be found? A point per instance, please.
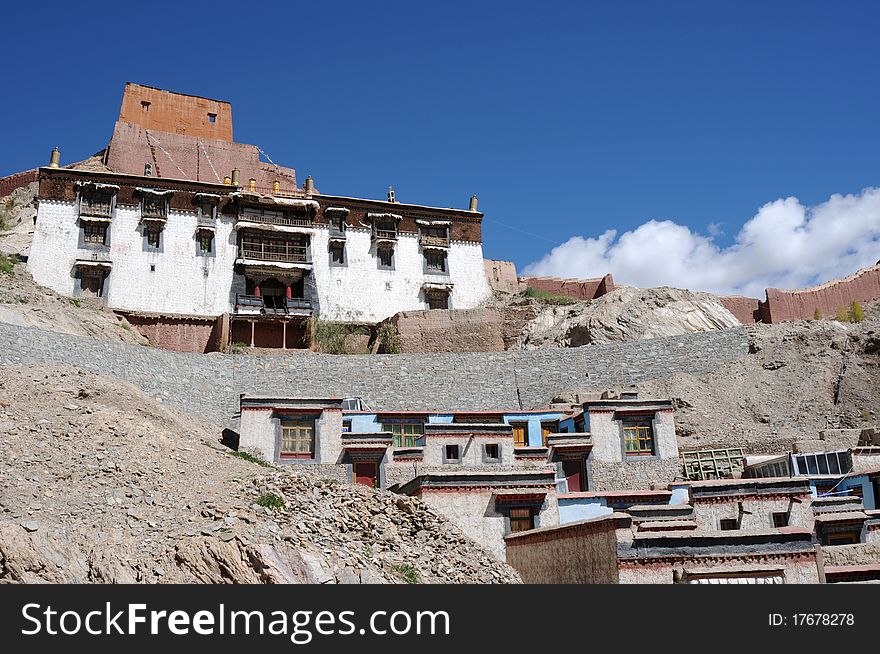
(99, 483)
(17, 213)
(624, 314)
(799, 378)
(24, 303)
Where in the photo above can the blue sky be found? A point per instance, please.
(566, 119)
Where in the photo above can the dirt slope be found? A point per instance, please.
(799, 378)
(99, 483)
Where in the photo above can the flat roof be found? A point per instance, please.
(189, 95)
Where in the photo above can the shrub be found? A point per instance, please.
(388, 338)
(410, 574)
(842, 315)
(549, 298)
(237, 348)
(330, 337)
(75, 302)
(247, 456)
(6, 265)
(856, 312)
(817, 314)
(271, 501)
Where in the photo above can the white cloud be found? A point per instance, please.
(784, 245)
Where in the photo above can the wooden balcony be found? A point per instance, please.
(275, 218)
(271, 305)
(278, 251)
(385, 234)
(434, 241)
(95, 209)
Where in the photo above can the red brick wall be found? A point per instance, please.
(582, 289)
(130, 148)
(179, 334)
(176, 112)
(779, 305)
(744, 308)
(445, 330)
(864, 286)
(12, 182)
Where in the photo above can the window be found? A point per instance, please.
(638, 437)
(346, 426)
(548, 427)
(297, 437)
(842, 538)
(385, 257)
(492, 452)
(385, 229)
(95, 204)
(206, 241)
(780, 519)
(729, 524)
(91, 284)
(437, 300)
(434, 235)
(451, 453)
(520, 433)
(208, 211)
(337, 254)
(212, 118)
(94, 234)
(145, 106)
(435, 261)
(406, 434)
(152, 235)
(148, 170)
(154, 207)
(521, 519)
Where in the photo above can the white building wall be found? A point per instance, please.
(362, 292)
(54, 246)
(185, 283)
(182, 282)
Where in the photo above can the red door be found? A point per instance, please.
(366, 473)
(574, 472)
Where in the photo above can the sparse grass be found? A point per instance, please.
(549, 298)
(410, 574)
(817, 314)
(75, 302)
(271, 501)
(237, 348)
(247, 456)
(7, 265)
(368, 551)
(329, 481)
(865, 416)
(388, 338)
(125, 326)
(330, 337)
(145, 343)
(856, 312)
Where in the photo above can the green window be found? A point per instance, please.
(406, 434)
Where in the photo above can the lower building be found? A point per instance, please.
(614, 549)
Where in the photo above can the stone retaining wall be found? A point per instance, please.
(209, 385)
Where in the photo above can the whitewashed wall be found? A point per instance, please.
(185, 283)
(182, 282)
(54, 246)
(360, 291)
